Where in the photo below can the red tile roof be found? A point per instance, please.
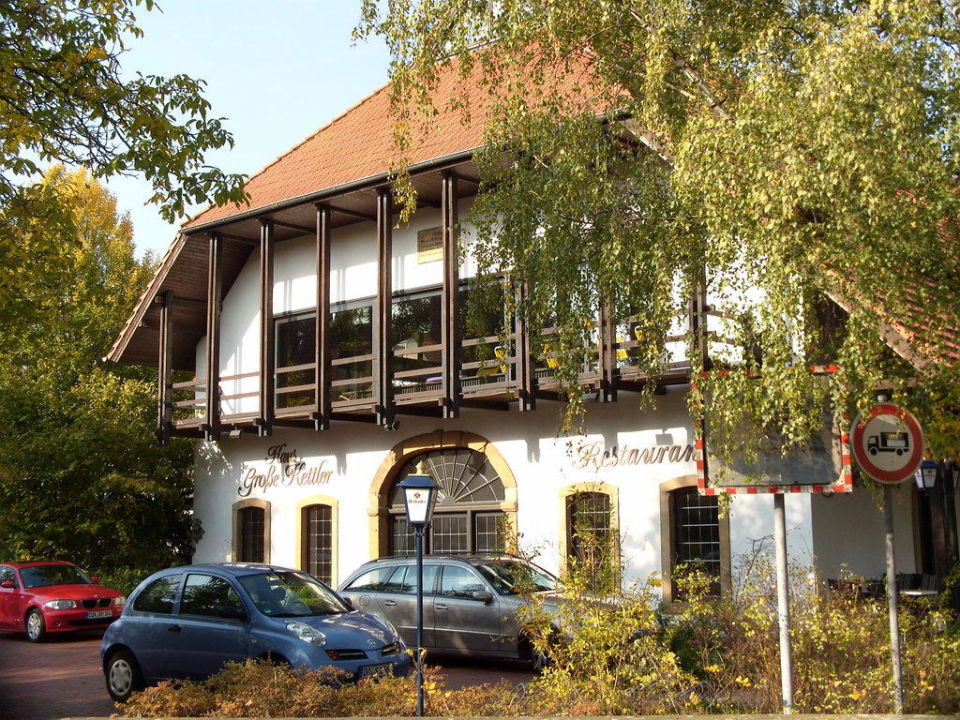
(360, 143)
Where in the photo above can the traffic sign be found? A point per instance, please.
(887, 443)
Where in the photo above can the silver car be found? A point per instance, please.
(470, 603)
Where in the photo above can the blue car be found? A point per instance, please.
(186, 622)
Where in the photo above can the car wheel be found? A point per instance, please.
(36, 626)
(538, 659)
(123, 676)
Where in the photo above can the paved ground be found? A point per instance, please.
(62, 677)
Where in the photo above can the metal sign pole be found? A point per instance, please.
(418, 534)
(783, 602)
(892, 600)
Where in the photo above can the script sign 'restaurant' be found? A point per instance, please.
(595, 454)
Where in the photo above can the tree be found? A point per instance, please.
(81, 476)
(793, 155)
(64, 97)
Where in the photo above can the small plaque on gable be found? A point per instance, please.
(430, 245)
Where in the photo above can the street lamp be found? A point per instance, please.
(419, 496)
(926, 474)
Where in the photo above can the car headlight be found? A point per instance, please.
(120, 600)
(60, 604)
(306, 633)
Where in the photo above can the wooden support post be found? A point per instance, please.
(698, 322)
(164, 368)
(214, 297)
(267, 358)
(323, 372)
(608, 353)
(451, 299)
(385, 413)
(526, 381)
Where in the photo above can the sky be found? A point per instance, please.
(276, 70)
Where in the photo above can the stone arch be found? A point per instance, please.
(395, 459)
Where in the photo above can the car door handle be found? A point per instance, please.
(389, 603)
(173, 628)
(440, 606)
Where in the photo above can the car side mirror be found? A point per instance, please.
(8, 585)
(95, 578)
(481, 595)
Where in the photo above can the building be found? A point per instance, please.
(322, 356)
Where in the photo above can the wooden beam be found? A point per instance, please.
(608, 354)
(526, 382)
(353, 213)
(697, 318)
(461, 176)
(353, 417)
(214, 297)
(164, 368)
(267, 357)
(385, 406)
(293, 226)
(240, 238)
(450, 301)
(323, 371)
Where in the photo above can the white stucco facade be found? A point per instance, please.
(341, 465)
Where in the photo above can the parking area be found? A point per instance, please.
(62, 677)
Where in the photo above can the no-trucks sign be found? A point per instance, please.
(887, 443)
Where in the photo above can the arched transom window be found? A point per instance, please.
(468, 517)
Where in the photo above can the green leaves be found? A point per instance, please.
(64, 98)
(82, 477)
(796, 156)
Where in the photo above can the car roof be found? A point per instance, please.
(36, 563)
(235, 569)
(467, 559)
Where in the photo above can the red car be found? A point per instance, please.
(43, 597)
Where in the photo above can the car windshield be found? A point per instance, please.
(291, 594)
(43, 575)
(512, 577)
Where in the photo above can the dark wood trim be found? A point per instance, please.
(214, 297)
(352, 417)
(323, 368)
(164, 369)
(481, 404)
(698, 321)
(353, 213)
(433, 412)
(267, 356)
(526, 382)
(240, 238)
(385, 407)
(293, 226)
(608, 353)
(450, 302)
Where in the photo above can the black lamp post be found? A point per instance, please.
(419, 496)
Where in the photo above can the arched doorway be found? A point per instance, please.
(476, 506)
(467, 517)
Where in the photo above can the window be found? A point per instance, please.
(211, 596)
(416, 324)
(590, 550)
(695, 538)
(159, 596)
(318, 541)
(295, 347)
(351, 336)
(8, 575)
(372, 580)
(467, 517)
(458, 582)
(252, 535)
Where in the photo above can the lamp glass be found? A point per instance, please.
(418, 504)
(926, 475)
(419, 496)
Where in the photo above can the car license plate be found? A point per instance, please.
(97, 614)
(376, 670)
